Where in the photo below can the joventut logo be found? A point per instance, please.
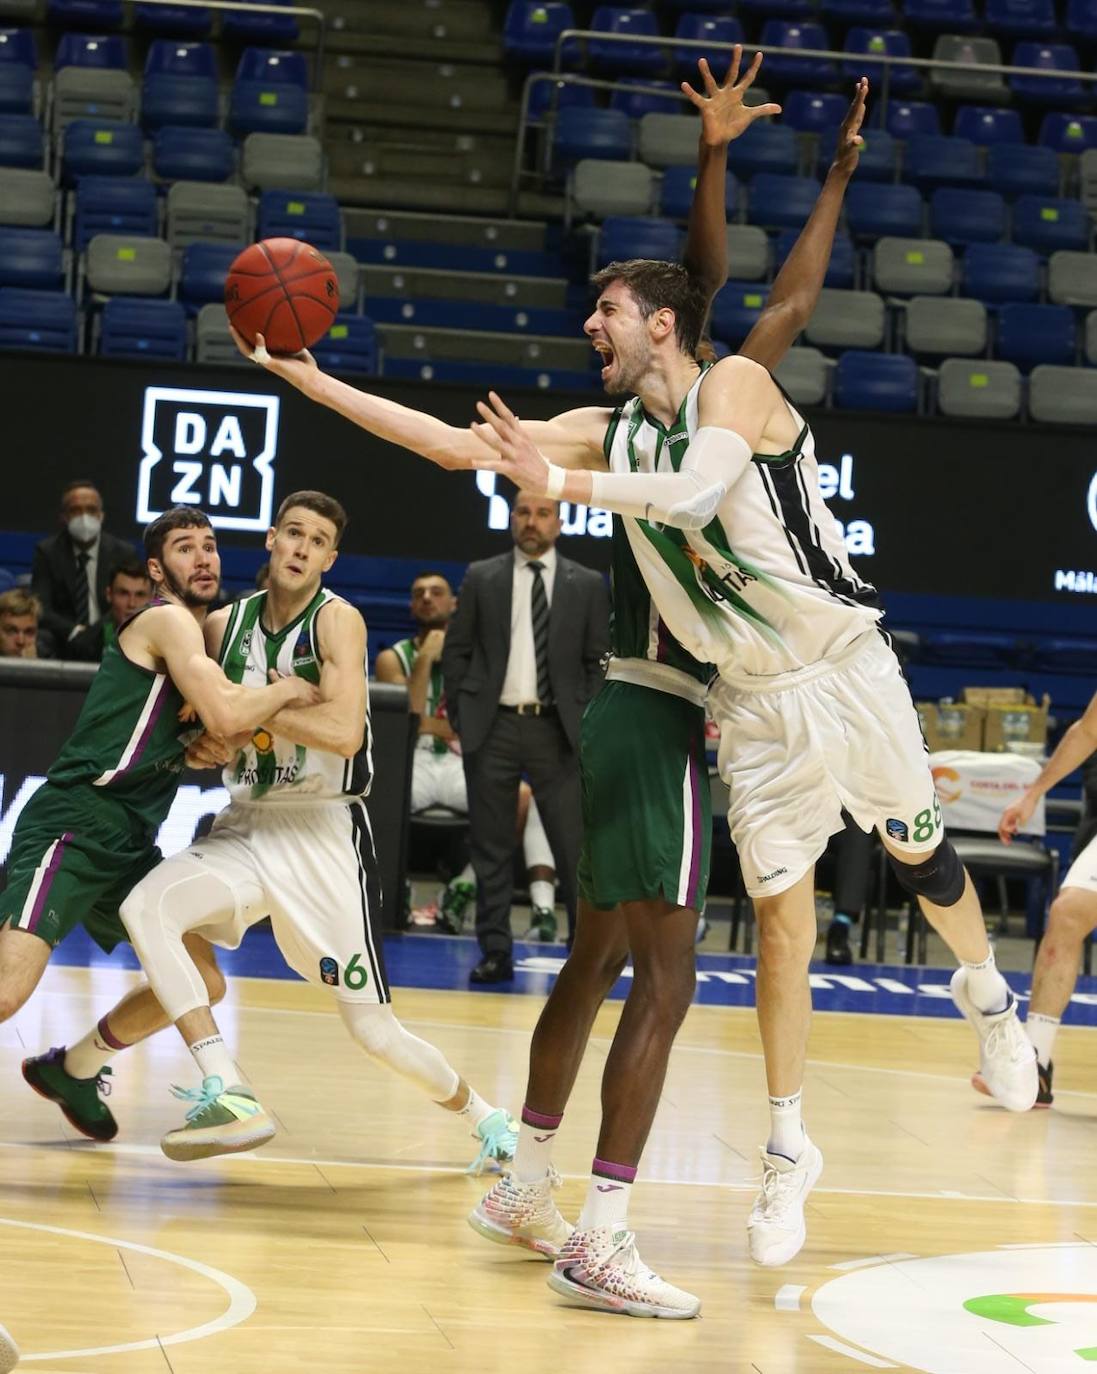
(213, 449)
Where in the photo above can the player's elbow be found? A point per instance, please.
(347, 747)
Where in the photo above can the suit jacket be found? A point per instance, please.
(53, 579)
(474, 660)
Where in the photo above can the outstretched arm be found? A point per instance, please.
(797, 286)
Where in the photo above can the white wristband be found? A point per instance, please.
(554, 482)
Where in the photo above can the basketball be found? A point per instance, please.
(285, 290)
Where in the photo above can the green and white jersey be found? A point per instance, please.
(767, 586)
(270, 769)
(407, 651)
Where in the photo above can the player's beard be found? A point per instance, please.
(191, 598)
(629, 366)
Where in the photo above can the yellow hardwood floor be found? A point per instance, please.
(342, 1246)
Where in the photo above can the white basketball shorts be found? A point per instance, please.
(1083, 871)
(438, 780)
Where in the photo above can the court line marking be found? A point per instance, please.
(242, 1301)
(787, 1297)
(840, 1348)
(874, 1259)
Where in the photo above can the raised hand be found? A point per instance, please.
(508, 448)
(724, 116)
(847, 152)
(296, 369)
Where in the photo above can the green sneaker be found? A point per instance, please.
(80, 1099)
(223, 1121)
(542, 925)
(498, 1135)
(455, 902)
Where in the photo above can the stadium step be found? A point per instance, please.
(530, 293)
(456, 243)
(427, 165)
(460, 345)
(445, 20)
(449, 85)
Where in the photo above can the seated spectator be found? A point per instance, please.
(19, 614)
(72, 568)
(438, 776)
(128, 590)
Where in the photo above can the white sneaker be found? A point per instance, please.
(513, 1213)
(776, 1228)
(601, 1268)
(9, 1351)
(1007, 1057)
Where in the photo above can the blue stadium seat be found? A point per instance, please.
(22, 142)
(813, 112)
(173, 21)
(101, 147)
(735, 310)
(90, 50)
(1032, 334)
(718, 31)
(941, 16)
(1021, 18)
(308, 215)
(261, 107)
(1050, 57)
(987, 125)
(995, 272)
(113, 205)
(1081, 19)
(776, 201)
(873, 211)
(33, 258)
(876, 381)
(908, 117)
(882, 43)
(967, 216)
(1066, 656)
(1048, 224)
(583, 133)
(1069, 133)
(764, 148)
(804, 71)
(933, 160)
(172, 57)
(39, 320)
(532, 27)
(567, 95)
(1017, 171)
(625, 236)
(636, 104)
(273, 67)
(17, 49)
(193, 155)
(85, 14)
(274, 29)
(618, 56)
(18, 62)
(202, 272)
(846, 12)
(971, 648)
(179, 86)
(676, 193)
(350, 345)
(778, 9)
(135, 328)
(877, 160)
(841, 270)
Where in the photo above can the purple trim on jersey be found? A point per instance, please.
(162, 691)
(52, 867)
(546, 1123)
(692, 887)
(620, 1173)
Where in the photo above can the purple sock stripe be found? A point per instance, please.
(695, 858)
(109, 1037)
(620, 1173)
(546, 1123)
(47, 880)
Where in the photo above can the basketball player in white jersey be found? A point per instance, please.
(294, 844)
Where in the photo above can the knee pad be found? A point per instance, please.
(939, 878)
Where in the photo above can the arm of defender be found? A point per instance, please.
(337, 724)
(1074, 748)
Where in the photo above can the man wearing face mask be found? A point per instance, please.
(73, 567)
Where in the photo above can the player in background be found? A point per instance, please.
(89, 833)
(293, 844)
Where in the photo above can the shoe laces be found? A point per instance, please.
(102, 1081)
(497, 1143)
(1006, 1040)
(778, 1194)
(202, 1097)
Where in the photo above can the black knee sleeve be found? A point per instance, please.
(940, 878)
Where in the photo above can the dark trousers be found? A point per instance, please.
(537, 746)
(852, 850)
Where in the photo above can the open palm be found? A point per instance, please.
(724, 114)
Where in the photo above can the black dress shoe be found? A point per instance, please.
(493, 968)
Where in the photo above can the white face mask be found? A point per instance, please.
(85, 528)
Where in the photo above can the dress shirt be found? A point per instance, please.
(520, 682)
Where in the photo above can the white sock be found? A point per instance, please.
(87, 1056)
(214, 1060)
(542, 894)
(1041, 1030)
(466, 875)
(786, 1128)
(986, 987)
(534, 1154)
(608, 1194)
(476, 1109)
(536, 850)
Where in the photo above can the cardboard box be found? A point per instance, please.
(997, 696)
(952, 725)
(1018, 723)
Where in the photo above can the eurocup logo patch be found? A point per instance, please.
(213, 449)
(329, 972)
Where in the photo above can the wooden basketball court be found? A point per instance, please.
(343, 1246)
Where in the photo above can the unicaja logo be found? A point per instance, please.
(574, 519)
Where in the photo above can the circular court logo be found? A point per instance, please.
(1027, 1307)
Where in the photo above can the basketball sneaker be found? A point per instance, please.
(601, 1268)
(223, 1121)
(1044, 1096)
(498, 1136)
(513, 1213)
(776, 1228)
(80, 1099)
(455, 901)
(9, 1351)
(1007, 1058)
(542, 924)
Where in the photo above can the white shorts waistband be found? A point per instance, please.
(782, 682)
(661, 677)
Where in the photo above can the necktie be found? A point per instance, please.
(81, 592)
(539, 611)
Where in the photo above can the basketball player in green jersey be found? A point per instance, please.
(646, 806)
(89, 833)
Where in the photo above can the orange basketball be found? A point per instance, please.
(285, 290)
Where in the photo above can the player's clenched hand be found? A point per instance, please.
(508, 448)
(1016, 817)
(296, 369)
(724, 115)
(207, 751)
(301, 693)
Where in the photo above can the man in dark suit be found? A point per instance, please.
(73, 567)
(521, 660)
(128, 590)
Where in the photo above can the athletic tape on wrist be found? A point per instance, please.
(554, 482)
